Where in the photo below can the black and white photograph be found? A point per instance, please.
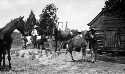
(62, 36)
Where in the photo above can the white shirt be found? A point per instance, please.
(34, 32)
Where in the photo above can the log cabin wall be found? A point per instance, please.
(110, 32)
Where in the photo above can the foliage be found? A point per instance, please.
(31, 21)
(48, 19)
(115, 8)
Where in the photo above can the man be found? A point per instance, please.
(34, 32)
(92, 44)
(92, 37)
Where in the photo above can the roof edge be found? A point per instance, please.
(89, 24)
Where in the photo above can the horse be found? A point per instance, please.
(63, 37)
(37, 41)
(6, 38)
(78, 44)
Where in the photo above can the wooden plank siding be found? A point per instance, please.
(111, 39)
(113, 23)
(100, 39)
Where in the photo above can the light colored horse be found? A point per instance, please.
(80, 43)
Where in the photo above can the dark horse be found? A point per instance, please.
(34, 41)
(6, 38)
(78, 44)
(37, 42)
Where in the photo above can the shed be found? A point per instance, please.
(110, 32)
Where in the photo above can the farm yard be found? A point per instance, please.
(66, 44)
(32, 61)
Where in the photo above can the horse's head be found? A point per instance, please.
(17, 20)
(21, 25)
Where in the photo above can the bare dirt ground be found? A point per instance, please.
(62, 64)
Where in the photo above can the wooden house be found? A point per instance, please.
(110, 32)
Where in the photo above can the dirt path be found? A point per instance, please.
(63, 65)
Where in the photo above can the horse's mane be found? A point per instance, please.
(7, 24)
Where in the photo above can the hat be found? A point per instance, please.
(79, 32)
(92, 30)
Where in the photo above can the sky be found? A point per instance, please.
(78, 13)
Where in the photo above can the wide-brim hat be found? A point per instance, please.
(92, 30)
(79, 32)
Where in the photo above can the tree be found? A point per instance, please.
(48, 19)
(115, 8)
(30, 22)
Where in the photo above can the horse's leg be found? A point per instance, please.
(0, 59)
(60, 47)
(38, 45)
(83, 53)
(71, 55)
(24, 46)
(33, 45)
(66, 51)
(70, 51)
(9, 57)
(4, 51)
